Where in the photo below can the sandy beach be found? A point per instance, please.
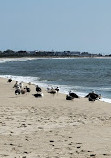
(52, 127)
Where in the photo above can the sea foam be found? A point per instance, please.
(3, 60)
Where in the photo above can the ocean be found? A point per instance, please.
(81, 75)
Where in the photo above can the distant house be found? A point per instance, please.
(85, 54)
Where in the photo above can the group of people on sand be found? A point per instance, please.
(20, 89)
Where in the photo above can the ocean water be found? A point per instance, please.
(81, 75)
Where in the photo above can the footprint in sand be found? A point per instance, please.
(92, 155)
(51, 140)
(78, 147)
(78, 143)
(70, 143)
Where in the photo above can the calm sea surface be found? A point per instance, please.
(82, 75)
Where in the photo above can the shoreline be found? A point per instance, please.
(55, 57)
(65, 89)
(52, 126)
(45, 85)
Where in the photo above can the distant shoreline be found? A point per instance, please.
(55, 57)
(49, 54)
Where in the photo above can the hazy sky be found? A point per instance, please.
(75, 25)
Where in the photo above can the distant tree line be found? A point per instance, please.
(21, 53)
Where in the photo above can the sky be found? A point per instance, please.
(59, 25)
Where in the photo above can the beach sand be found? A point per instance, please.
(52, 127)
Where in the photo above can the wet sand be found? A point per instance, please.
(52, 127)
